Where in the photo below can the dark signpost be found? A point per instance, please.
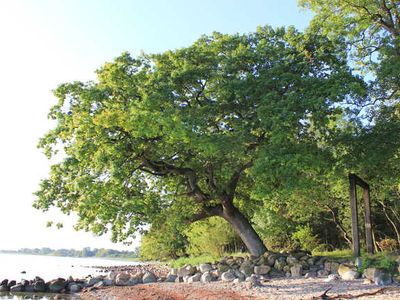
(354, 181)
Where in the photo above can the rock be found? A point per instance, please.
(4, 282)
(348, 272)
(179, 279)
(311, 274)
(194, 278)
(332, 277)
(291, 260)
(29, 288)
(241, 276)
(205, 268)
(99, 284)
(296, 270)
(122, 279)
(4, 288)
(206, 277)
(11, 283)
(171, 278)
(252, 281)
(186, 278)
(149, 277)
(57, 285)
(40, 286)
(247, 268)
(280, 263)
(262, 270)
(378, 276)
(311, 261)
(322, 273)
(228, 276)
(174, 271)
(223, 268)
(91, 281)
(75, 288)
(358, 262)
(187, 270)
(271, 260)
(286, 269)
(17, 288)
(367, 281)
(112, 275)
(331, 267)
(108, 282)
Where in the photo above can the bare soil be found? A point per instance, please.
(285, 289)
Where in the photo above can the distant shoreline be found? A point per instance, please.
(84, 253)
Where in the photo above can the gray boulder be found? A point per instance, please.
(11, 283)
(291, 260)
(29, 288)
(228, 276)
(206, 277)
(378, 276)
(296, 270)
(205, 268)
(149, 277)
(262, 270)
(194, 278)
(171, 278)
(40, 286)
(4, 288)
(247, 268)
(122, 279)
(75, 288)
(57, 285)
(17, 288)
(91, 281)
(187, 270)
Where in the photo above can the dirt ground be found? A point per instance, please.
(282, 289)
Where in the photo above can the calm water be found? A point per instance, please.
(49, 267)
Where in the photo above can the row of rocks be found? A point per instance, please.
(59, 285)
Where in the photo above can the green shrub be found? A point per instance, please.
(305, 238)
(381, 260)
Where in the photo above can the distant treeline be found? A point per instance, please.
(85, 252)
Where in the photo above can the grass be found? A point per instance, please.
(336, 254)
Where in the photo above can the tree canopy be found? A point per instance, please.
(197, 132)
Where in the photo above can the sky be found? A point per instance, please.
(44, 43)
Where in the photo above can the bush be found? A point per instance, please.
(305, 239)
(210, 236)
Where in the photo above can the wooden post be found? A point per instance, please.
(354, 216)
(367, 219)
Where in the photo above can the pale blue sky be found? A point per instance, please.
(46, 42)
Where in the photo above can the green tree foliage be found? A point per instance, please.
(202, 131)
(212, 236)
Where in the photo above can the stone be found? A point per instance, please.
(11, 283)
(296, 270)
(122, 279)
(206, 277)
(223, 268)
(311, 274)
(179, 279)
(75, 288)
(57, 285)
(311, 261)
(228, 276)
(112, 275)
(280, 263)
(271, 260)
(252, 281)
(4, 288)
(247, 268)
(99, 284)
(108, 282)
(322, 273)
(17, 288)
(40, 286)
(286, 269)
(291, 260)
(171, 278)
(367, 281)
(29, 288)
(331, 267)
(378, 276)
(358, 262)
(187, 270)
(174, 271)
(348, 272)
(149, 277)
(262, 270)
(241, 276)
(4, 282)
(194, 278)
(205, 268)
(332, 277)
(91, 281)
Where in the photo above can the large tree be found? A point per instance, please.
(184, 135)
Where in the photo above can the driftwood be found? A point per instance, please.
(324, 295)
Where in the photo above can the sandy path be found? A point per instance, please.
(282, 289)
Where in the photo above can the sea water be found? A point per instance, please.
(18, 267)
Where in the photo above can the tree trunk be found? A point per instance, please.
(244, 229)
